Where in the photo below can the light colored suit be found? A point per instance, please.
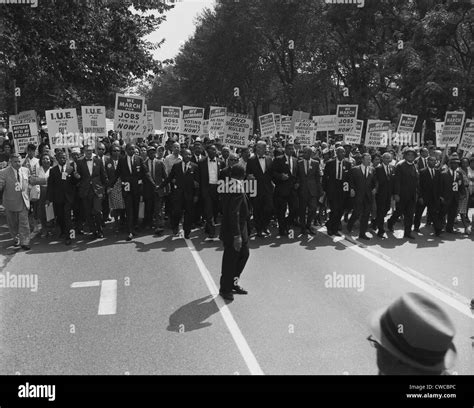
(16, 203)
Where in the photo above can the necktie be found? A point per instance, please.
(130, 163)
(62, 169)
(432, 174)
(306, 167)
(18, 176)
(366, 172)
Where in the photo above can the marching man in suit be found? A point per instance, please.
(259, 168)
(14, 183)
(92, 181)
(336, 187)
(60, 192)
(132, 171)
(362, 181)
(234, 235)
(309, 190)
(185, 190)
(284, 175)
(384, 176)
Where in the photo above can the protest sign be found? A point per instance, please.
(63, 128)
(467, 140)
(277, 117)
(298, 115)
(407, 124)
(170, 119)
(285, 125)
(267, 126)
(377, 133)
(346, 119)
(325, 123)
(192, 120)
(452, 129)
(130, 116)
(93, 121)
(237, 130)
(24, 129)
(439, 132)
(217, 117)
(305, 132)
(355, 137)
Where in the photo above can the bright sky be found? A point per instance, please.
(178, 27)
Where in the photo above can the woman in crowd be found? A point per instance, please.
(40, 177)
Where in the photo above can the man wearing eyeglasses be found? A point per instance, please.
(106, 161)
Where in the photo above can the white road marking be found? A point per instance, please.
(446, 295)
(108, 297)
(229, 320)
(87, 284)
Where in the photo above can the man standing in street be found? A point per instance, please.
(384, 176)
(14, 183)
(405, 192)
(234, 235)
(451, 189)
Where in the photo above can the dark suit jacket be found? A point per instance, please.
(110, 169)
(447, 185)
(330, 186)
(280, 166)
(264, 180)
(309, 184)
(384, 183)
(362, 185)
(139, 172)
(203, 174)
(183, 183)
(159, 175)
(419, 163)
(406, 181)
(89, 183)
(430, 188)
(59, 190)
(235, 215)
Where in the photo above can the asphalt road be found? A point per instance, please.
(149, 306)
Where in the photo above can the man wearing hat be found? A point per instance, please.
(413, 336)
(452, 187)
(405, 192)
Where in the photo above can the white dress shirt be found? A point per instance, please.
(213, 169)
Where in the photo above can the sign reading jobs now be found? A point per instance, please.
(237, 129)
(467, 141)
(63, 128)
(129, 116)
(452, 128)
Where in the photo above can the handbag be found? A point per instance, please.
(49, 212)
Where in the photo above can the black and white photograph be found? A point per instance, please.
(237, 190)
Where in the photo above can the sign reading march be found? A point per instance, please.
(267, 126)
(24, 129)
(192, 120)
(129, 116)
(325, 123)
(63, 128)
(355, 137)
(285, 125)
(346, 119)
(305, 132)
(407, 123)
(452, 128)
(467, 141)
(93, 121)
(377, 133)
(237, 129)
(170, 119)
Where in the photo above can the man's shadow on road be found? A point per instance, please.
(193, 315)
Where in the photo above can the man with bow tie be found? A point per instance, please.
(132, 171)
(384, 176)
(259, 167)
(184, 192)
(284, 176)
(309, 190)
(430, 189)
(362, 181)
(92, 181)
(209, 169)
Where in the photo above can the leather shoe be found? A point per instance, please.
(16, 243)
(159, 231)
(26, 247)
(267, 231)
(239, 290)
(381, 234)
(363, 236)
(130, 237)
(227, 295)
(416, 230)
(186, 235)
(304, 231)
(390, 226)
(409, 236)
